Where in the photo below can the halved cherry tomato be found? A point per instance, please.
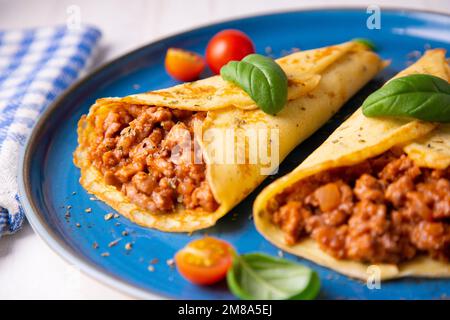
(205, 261)
(226, 46)
(184, 65)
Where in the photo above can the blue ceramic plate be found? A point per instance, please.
(49, 180)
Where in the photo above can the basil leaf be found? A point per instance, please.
(419, 96)
(261, 78)
(368, 43)
(259, 276)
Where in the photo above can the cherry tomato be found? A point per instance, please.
(184, 65)
(205, 261)
(226, 46)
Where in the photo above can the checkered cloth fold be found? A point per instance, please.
(36, 65)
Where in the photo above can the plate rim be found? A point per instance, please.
(33, 214)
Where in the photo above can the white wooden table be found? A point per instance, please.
(28, 268)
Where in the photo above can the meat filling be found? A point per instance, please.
(386, 209)
(148, 154)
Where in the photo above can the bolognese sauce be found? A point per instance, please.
(385, 209)
(134, 153)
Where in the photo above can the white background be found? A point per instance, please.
(28, 268)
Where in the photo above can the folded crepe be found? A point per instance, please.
(124, 150)
(376, 192)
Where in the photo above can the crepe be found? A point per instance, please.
(319, 83)
(357, 139)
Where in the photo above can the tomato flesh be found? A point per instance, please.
(227, 45)
(184, 65)
(205, 261)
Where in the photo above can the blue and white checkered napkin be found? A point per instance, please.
(35, 66)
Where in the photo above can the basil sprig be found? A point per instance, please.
(419, 96)
(259, 276)
(261, 78)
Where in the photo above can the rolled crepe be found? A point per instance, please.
(360, 138)
(319, 82)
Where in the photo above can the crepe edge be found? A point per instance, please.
(309, 249)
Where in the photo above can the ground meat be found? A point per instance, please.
(385, 209)
(146, 152)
